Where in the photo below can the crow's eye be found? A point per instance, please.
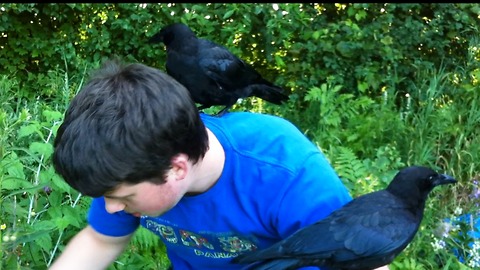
(431, 177)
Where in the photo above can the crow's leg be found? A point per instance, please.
(223, 111)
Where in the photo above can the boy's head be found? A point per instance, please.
(124, 126)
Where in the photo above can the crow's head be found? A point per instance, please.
(171, 33)
(416, 182)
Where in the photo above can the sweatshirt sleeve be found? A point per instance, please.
(116, 224)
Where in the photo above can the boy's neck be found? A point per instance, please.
(206, 172)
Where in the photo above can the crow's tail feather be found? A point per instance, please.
(270, 93)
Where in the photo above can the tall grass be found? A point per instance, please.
(35, 204)
(368, 139)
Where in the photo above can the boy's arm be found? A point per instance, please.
(90, 250)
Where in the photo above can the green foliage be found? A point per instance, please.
(365, 175)
(36, 205)
(145, 251)
(363, 47)
(375, 86)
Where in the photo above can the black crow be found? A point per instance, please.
(366, 233)
(212, 74)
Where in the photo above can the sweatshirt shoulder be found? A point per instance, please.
(247, 123)
(264, 137)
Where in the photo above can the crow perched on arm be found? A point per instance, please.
(212, 74)
(366, 233)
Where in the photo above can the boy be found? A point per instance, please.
(209, 187)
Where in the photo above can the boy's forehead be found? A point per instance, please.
(120, 191)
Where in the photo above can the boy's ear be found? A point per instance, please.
(179, 166)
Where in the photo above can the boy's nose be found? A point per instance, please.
(113, 206)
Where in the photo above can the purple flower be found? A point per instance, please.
(47, 189)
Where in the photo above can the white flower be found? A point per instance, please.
(438, 244)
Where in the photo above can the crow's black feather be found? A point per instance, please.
(212, 74)
(366, 233)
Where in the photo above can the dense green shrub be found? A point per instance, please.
(375, 86)
(297, 45)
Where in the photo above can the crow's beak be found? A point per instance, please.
(157, 38)
(443, 179)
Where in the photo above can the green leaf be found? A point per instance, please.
(387, 40)
(17, 191)
(279, 61)
(60, 184)
(314, 94)
(361, 14)
(52, 116)
(72, 216)
(12, 183)
(55, 198)
(228, 14)
(45, 149)
(62, 223)
(27, 130)
(13, 166)
(362, 86)
(43, 240)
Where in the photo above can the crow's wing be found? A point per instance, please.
(182, 64)
(229, 71)
(373, 225)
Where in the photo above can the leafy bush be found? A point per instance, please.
(361, 46)
(375, 86)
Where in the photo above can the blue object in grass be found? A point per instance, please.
(472, 222)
